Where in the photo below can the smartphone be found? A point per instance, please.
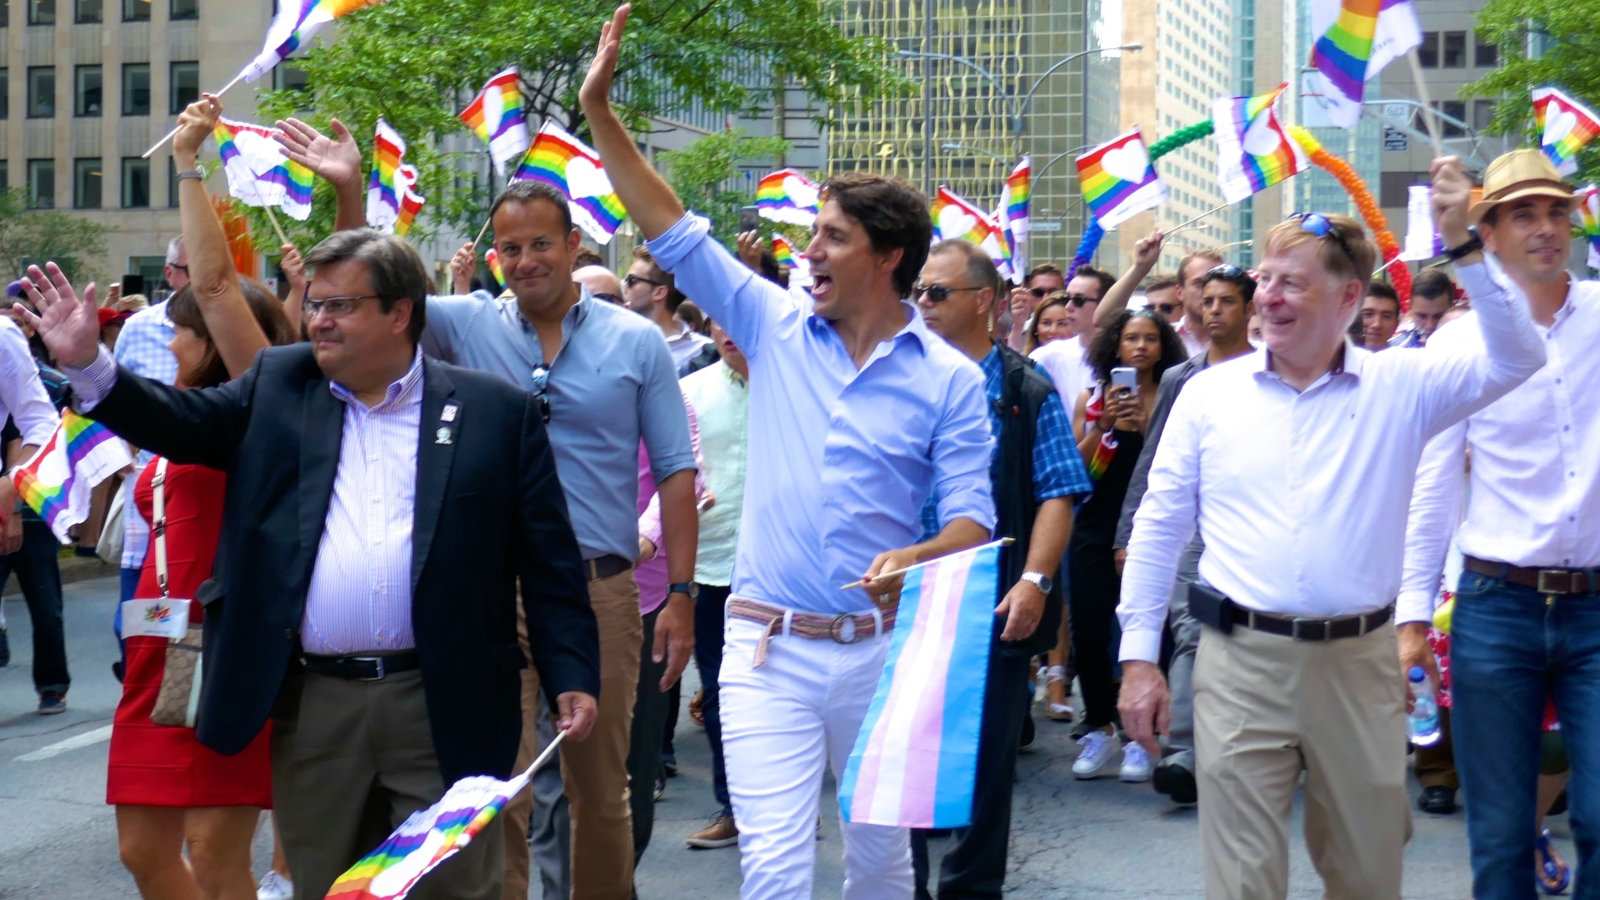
(132, 284)
(749, 219)
(1125, 377)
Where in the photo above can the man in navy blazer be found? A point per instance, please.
(381, 508)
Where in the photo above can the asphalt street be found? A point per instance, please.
(1099, 839)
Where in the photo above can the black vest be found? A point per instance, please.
(1023, 392)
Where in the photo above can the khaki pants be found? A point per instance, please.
(1268, 707)
(350, 762)
(596, 771)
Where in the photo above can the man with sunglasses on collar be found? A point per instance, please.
(1297, 669)
(1526, 624)
(1227, 293)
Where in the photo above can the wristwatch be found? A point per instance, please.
(687, 588)
(1466, 248)
(1039, 580)
(189, 174)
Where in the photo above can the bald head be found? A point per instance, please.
(600, 281)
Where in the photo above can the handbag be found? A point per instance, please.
(178, 700)
(109, 547)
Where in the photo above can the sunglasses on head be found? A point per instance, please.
(937, 293)
(1323, 227)
(1228, 271)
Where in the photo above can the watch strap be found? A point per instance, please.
(1466, 248)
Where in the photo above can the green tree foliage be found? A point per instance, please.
(416, 63)
(705, 175)
(1567, 55)
(36, 236)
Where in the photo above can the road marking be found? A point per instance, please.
(87, 739)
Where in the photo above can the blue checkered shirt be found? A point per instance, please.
(142, 349)
(1058, 469)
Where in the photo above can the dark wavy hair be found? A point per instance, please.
(267, 309)
(1104, 353)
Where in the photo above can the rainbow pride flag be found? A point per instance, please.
(783, 252)
(491, 258)
(1565, 126)
(954, 219)
(1013, 216)
(789, 197)
(296, 22)
(411, 202)
(384, 190)
(1118, 180)
(56, 482)
(1589, 221)
(572, 167)
(916, 755)
(499, 117)
(1355, 40)
(259, 172)
(1253, 150)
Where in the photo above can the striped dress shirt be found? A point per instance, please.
(360, 594)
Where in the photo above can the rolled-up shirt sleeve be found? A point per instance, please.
(742, 302)
(1162, 527)
(662, 419)
(963, 445)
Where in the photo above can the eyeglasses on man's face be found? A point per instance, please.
(332, 307)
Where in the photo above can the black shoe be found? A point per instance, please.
(1026, 740)
(660, 789)
(1440, 801)
(5, 648)
(52, 703)
(1176, 781)
(669, 765)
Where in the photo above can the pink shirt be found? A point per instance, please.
(651, 574)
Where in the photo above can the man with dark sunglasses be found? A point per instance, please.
(1297, 669)
(1067, 361)
(1228, 293)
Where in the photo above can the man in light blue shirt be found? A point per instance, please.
(858, 413)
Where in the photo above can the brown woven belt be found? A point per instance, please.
(845, 628)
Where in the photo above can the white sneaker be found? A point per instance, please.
(1136, 765)
(274, 887)
(1098, 756)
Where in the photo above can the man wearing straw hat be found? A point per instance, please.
(1297, 668)
(857, 414)
(1526, 625)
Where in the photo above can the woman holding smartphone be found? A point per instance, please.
(1128, 357)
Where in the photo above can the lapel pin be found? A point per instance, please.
(449, 414)
(443, 436)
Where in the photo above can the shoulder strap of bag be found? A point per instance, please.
(158, 528)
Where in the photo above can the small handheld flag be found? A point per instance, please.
(916, 754)
(498, 116)
(783, 252)
(1253, 151)
(1355, 40)
(572, 167)
(1118, 180)
(430, 836)
(1013, 216)
(384, 190)
(491, 258)
(1589, 221)
(1422, 241)
(789, 197)
(292, 28)
(1565, 126)
(954, 219)
(259, 172)
(57, 481)
(411, 202)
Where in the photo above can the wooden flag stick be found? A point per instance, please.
(1430, 115)
(1385, 266)
(169, 135)
(1003, 542)
(1210, 212)
(481, 232)
(271, 217)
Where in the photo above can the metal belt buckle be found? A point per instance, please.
(843, 629)
(1545, 588)
(1297, 622)
(376, 660)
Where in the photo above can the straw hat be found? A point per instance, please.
(1512, 176)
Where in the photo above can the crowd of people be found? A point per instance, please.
(417, 535)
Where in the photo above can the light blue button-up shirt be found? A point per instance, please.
(840, 459)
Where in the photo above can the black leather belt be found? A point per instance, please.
(362, 668)
(1545, 581)
(1212, 608)
(605, 566)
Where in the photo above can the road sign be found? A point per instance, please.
(1046, 225)
(1396, 112)
(1395, 139)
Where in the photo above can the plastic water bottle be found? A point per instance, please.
(1423, 723)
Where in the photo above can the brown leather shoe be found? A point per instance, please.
(721, 832)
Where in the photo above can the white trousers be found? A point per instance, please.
(781, 723)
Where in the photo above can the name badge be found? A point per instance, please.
(167, 618)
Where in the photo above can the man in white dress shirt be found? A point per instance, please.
(1526, 625)
(1297, 668)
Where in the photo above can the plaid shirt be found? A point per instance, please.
(142, 349)
(1058, 469)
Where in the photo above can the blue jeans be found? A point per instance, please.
(39, 576)
(1510, 649)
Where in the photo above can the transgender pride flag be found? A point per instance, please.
(56, 482)
(916, 755)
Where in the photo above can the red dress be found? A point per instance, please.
(160, 765)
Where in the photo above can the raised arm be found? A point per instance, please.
(1145, 256)
(235, 332)
(337, 160)
(294, 269)
(650, 202)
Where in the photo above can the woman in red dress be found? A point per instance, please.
(170, 791)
